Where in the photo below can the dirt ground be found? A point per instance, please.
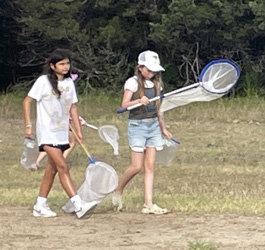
(130, 230)
(127, 230)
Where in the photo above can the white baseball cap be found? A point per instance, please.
(150, 60)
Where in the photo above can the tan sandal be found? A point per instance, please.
(154, 209)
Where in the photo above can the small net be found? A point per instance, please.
(29, 154)
(110, 134)
(168, 153)
(216, 79)
(101, 180)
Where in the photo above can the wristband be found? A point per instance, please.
(28, 125)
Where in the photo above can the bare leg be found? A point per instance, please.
(65, 153)
(40, 157)
(72, 145)
(135, 167)
(48, 179)
(56, 163)
(149, 166)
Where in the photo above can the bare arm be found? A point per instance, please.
(127, 96)
(26, 113)
(163, 126)
(74, 116)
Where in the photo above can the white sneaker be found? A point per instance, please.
(43, 211)
(68, 208)
(33, 167)
(86, 208)
(117, 201)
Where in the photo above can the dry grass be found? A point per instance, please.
(219, 166)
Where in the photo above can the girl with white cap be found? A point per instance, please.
(145, 128)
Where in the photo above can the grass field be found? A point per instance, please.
(219, 166)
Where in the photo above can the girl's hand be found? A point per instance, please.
(167, 133)
(28, 132)
(144, 100)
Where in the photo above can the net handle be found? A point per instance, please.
(91, 126)
(175, 141)
(82, 145)
(195, 85)
(177, 91)
(82, 121)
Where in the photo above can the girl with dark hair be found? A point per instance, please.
(72, 142)
(56, 98)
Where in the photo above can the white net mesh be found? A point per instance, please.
(219, 78)
(184, 98)
(101, 180)
(110, 134)
(215, 81)
(29, 154)
(168, 153)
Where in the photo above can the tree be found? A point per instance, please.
(193, 33)
(8, 44)
(105, 36)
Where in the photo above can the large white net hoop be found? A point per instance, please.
(216, 79)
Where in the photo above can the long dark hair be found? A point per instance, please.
(56, 56)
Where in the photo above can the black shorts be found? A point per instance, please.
(62, 147)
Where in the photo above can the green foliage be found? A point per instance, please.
(257, 8)
(251, 83)
(112, 32)
(201, 245)
(9, 47)
(107, 36)
(172, 78)
(195, 21)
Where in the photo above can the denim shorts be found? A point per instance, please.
(144, 133)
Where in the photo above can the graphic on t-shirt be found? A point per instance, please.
(57, 123)
(61, 109)
(66, 99)
(54, 108)
(53, 111)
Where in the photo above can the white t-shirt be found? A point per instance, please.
(132, 84)
(52, 113)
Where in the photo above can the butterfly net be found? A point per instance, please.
(168, 153)
(216, 80)
(101, 180)
(110, 134)
(29, 154)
